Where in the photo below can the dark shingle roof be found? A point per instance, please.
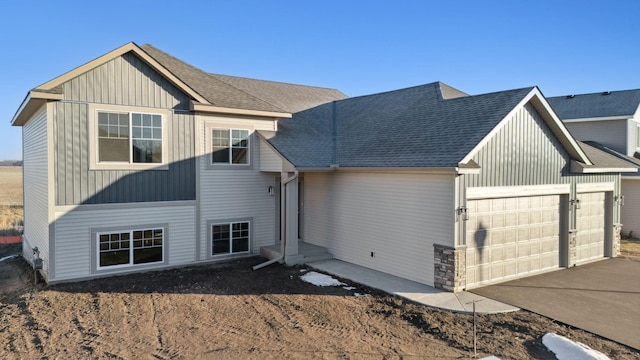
(413, 127)
(289, 97)
(614, 103)
(604, 157)
(243, 93)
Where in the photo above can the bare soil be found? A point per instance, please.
(229, 311)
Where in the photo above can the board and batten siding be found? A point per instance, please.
(76, 184)
(396, 216)
(233, 194)
(526, 152)
(73, 252)
(631, 209)
(36, 187)
(610, 133)
(125, 80)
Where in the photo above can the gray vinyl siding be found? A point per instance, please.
(36, 197)
(226, 193)
(631, 209)
(73, 233)
(525, 152)
(126, 80)
(611, 133)
(398, 217)
(76, 184)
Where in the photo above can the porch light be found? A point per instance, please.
(619, 199)
(271, 191)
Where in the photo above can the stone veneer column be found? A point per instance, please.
(617, 235)
(449, 267)
(572, 249)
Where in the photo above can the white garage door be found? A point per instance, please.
(512, 237)
(590, 226)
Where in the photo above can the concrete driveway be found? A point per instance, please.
(601, 297)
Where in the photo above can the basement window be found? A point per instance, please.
(230, 238)
(128, 248)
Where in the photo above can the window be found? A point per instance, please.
(129, 137)
(230, 146)
(127, 248)
(638, 137)
(230, 238)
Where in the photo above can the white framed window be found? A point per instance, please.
(230, 238)
(132, 138)
(229, 146)
(128, 138)
(116, 249)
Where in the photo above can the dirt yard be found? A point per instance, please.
(228, 311)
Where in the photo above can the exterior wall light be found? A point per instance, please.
(463, 213)
(576, 203)
(619, 199)
(271, 191)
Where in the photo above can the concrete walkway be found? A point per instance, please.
(411, 290)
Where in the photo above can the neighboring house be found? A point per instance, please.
(138, 161)
(609, 121)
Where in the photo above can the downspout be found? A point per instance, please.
(284, 238)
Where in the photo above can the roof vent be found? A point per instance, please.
(606, 93)
(570, 96)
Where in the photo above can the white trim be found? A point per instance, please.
(212, 223)
(580, 168)
(516, 191)
(224, 124)
(595, 187)
(403, 170)
(96, 234)
(95, 164)
(63, 209)
(603, 118)
(196, 106)
(535, 97)
(630, 177)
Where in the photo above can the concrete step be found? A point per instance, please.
(319, 257)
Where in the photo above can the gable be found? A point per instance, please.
(126, 80)
(524, 151)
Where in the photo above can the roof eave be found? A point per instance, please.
(600, 118)
(431, 170)
(581, 168)
(197, 106)
(31, 103)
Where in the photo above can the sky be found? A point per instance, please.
(359, 47)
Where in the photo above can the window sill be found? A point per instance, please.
(229, 166)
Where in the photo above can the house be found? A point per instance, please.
(137, 161)
(609, 120)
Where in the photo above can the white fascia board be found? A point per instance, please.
(31, 103)
(197, 106)
(416, 170)
(580, 168)
(603, 118)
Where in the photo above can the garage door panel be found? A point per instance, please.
(590, 223)
(511, 237)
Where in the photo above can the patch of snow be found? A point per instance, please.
(490, 358)
(566, 349)
(303, 270)
(348, 287)
(320, 279)
(360, 295)
(9, 257)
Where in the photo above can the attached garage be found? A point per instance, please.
(511, 237)
(590, 227)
